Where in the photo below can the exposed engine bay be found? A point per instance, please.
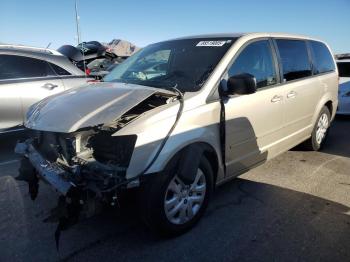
(86, 156)
(89, 159)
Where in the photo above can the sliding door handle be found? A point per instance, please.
(292, 94)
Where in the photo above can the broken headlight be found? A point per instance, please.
(115, 150)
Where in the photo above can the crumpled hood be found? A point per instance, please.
(87, 106)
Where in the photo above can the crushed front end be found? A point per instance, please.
(92, 160)
(87, 168)
(77, 148)
(70, 154)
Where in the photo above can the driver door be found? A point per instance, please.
(254, 122)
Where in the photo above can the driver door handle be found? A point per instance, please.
(276, 99)
(49, 86)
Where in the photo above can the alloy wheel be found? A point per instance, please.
(322, 126)
(182, 202)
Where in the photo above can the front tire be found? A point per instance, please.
(320, 131)
(172, 207)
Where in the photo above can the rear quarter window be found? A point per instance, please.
(344, 69)
(294, 59)
(322, 59)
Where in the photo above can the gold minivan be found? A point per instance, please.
(179, 117)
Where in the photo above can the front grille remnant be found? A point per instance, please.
(86, 146)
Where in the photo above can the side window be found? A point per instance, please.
(294, 58)
(322, 58)
(256, 59)
(59, 70)
(14, 67)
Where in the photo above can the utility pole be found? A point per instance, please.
(77, 21)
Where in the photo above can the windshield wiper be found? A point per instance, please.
(204, 76)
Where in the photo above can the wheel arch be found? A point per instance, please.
(327, 102)
(329, 105)
(208, 151)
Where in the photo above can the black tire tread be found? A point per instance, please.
(311, 144)
(151, 201)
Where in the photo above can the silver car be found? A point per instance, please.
(344, 87)
(28, 75)
(178, 118)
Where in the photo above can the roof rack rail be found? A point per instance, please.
(31, 48)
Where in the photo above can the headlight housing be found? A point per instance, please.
(115, 150)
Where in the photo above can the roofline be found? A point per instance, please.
(30, 48)
(249, 35)
(218, 35)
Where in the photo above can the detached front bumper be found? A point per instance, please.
(47, 171)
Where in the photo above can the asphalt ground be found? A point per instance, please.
(295, 207)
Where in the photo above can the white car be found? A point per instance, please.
(178, 118)
(344, 87)
(29, 74)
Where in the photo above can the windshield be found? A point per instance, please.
(184, 63)
(100, 63)
(344, 69)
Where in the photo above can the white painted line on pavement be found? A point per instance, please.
(9, 162)
(325, 163)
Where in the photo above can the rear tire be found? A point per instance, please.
(168, 213)
(320, 132)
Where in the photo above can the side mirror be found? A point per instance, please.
(242, 84)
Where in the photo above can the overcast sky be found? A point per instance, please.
(39, 22)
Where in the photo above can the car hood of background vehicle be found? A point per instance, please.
(87, 106)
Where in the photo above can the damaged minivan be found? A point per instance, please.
(180, 117)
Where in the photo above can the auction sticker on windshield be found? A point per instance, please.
(211, 43)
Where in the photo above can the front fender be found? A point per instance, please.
(198, 125)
